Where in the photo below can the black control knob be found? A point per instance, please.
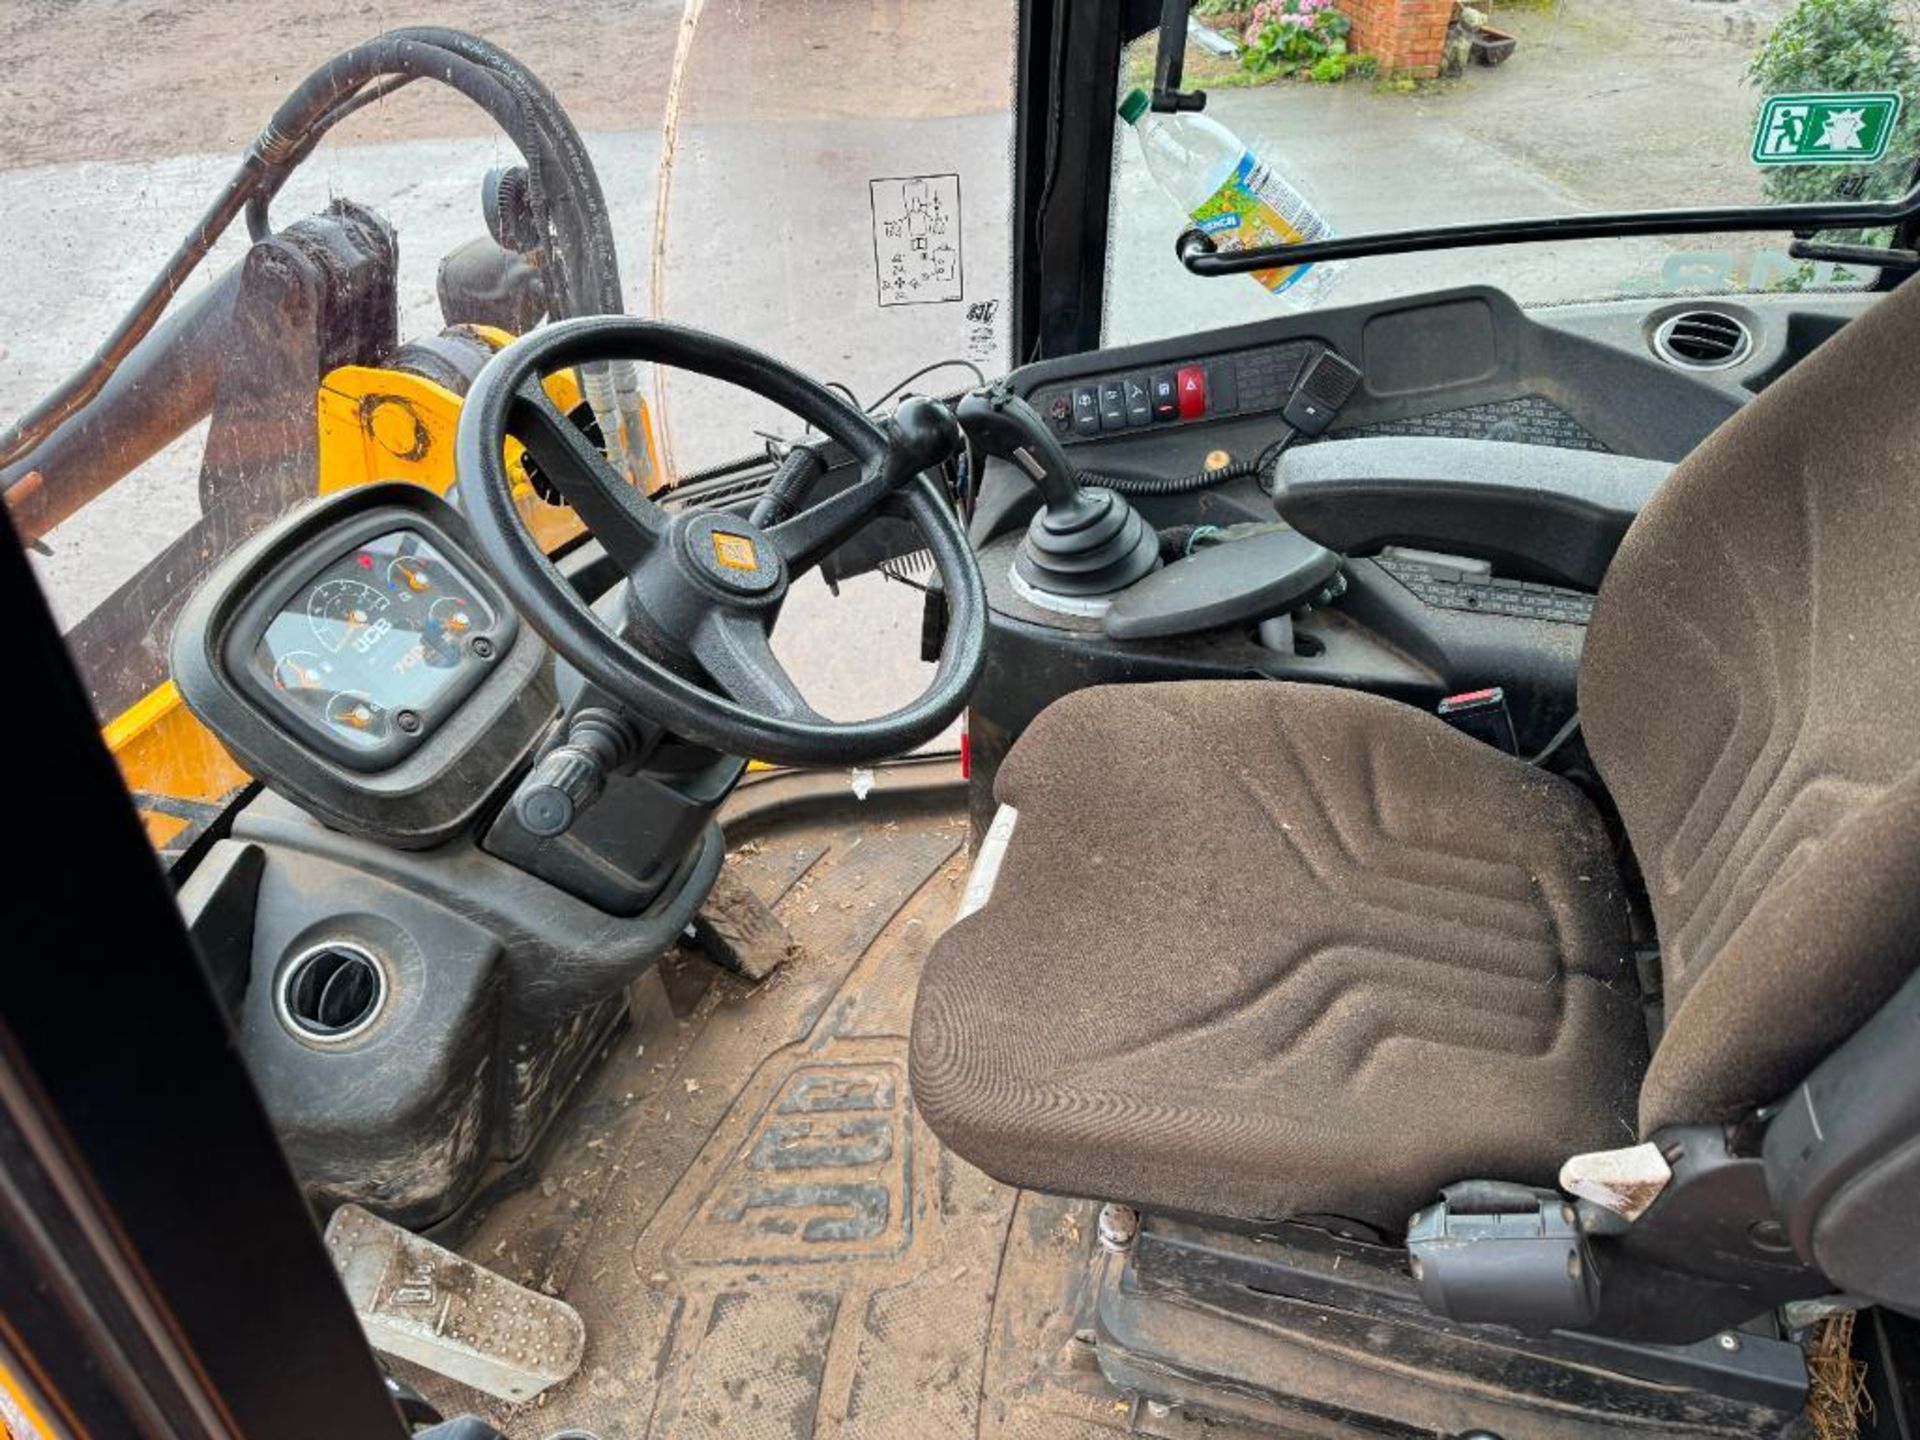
(924, 433)
(571, 776)
(560, 787)
(1085, 541)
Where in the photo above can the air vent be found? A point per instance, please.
(332, 993)
(1702, 340)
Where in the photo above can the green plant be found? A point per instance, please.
(1841, 46)
(1291, 37)
(1330, 69)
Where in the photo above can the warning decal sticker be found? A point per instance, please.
(916, 238)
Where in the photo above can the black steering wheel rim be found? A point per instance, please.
(649, 544)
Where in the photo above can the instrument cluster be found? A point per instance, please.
(368, 650)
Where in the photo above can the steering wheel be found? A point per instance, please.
(704, 587)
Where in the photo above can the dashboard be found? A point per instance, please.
(355, 652)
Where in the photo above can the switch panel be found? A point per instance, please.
(1207, 387)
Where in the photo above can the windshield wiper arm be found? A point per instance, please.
(1199, 254)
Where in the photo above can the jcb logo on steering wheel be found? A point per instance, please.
(736, 552)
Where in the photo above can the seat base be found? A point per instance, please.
(1258, 950)
(1324, 1336)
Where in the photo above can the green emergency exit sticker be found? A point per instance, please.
(1825, 129)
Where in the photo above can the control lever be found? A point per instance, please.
(1086, 540)
(571, 776)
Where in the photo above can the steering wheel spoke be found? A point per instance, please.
(621, 518)
(733, 647)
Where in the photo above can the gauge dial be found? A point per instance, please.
(412, 575)
(340, 610)
(370, 653)
(451, 615)
(299, 670)
(357, 714)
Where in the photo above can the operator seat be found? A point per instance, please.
(1261, 950)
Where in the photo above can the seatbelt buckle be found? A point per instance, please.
(1483, 714)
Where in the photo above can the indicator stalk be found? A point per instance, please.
(571, 776)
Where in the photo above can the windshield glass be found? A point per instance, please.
(829, 183)
(1396, 114)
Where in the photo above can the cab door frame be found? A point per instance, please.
(160, 1272)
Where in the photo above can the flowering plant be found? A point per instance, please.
(1296, 35)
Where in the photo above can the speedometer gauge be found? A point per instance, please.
(341, 611)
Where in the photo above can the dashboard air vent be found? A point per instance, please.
(1702, 340)
(331, 993)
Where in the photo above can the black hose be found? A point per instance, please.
(333, 90)
(582, 190)
(586, 277)
(259, 220)
(72, 394)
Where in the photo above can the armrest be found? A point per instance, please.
(1539, 511)
(1234, 583)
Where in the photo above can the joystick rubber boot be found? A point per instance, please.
(1096, 544)
(1086, 541)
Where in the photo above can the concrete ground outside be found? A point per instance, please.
(117, 124)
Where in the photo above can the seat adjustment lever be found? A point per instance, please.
(1504, 1254)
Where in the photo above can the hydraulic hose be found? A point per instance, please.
(72, 394)
(259, 221)
(585, 271)
(163, 386)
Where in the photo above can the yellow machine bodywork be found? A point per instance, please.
(374, 424)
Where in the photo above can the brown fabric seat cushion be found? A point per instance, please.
(1261, 949)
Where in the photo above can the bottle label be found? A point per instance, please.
(1254, 207)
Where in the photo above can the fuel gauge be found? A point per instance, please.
(412, 575)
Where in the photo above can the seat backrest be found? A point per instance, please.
(1750, 692)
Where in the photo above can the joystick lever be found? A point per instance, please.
(1085, 541)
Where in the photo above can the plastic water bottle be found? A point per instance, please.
(1231, 193)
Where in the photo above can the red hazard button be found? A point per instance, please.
(1192, 386)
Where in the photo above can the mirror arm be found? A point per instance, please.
(1170, 60)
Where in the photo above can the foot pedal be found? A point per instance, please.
(1503, 1254)
(423, 1303)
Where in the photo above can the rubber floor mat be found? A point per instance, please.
(763, 1239)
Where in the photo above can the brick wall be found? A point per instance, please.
(1406, 37)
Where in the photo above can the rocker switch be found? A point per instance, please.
(1165, 389)
(1192, 383)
